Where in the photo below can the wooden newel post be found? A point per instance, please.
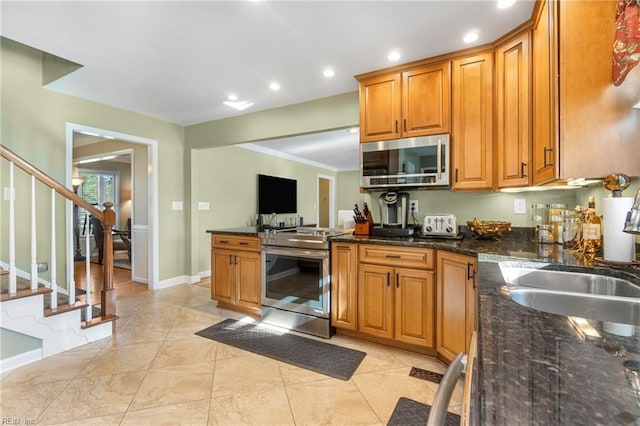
(108, 296)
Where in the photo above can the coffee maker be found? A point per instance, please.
(394, 215)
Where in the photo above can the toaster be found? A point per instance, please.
(440, 225)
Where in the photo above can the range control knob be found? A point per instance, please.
(449, 229)
(429, 228)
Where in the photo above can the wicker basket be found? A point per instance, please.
(488, 228)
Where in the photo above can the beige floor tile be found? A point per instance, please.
(383, 389)
(266, 407)
(252, 373)
(187, 413)
(188, 322)
(329, 402)
(94, 396)
(110, 420)
(190, 350)
(63, 366)
(411, 359)
(378, 357)
(175, 384)
(122, 358)
(27, 402)
(141, 330)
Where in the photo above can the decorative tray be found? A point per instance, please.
(488, 228)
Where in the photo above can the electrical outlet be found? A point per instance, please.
(42, 267)
(520, 206)
(413, 206)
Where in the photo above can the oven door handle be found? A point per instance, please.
(293, 251)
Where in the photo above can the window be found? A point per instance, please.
(97, 188)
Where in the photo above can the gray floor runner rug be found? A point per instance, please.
(324, 358)
(413, 413)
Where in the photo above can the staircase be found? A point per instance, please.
(40, 318)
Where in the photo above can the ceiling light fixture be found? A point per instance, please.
(503, 4)
(238, 105)
(471, 36)
(328, 72)
(274, 86)
(232, 97)
(393, 56)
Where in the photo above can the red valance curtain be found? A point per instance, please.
(626, 46)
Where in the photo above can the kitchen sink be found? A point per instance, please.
(585, 295)
(577, 282)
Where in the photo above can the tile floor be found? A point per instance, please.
(156, 371)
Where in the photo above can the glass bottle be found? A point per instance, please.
(556, 213)
(592, 228)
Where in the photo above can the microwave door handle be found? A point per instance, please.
(439, 158)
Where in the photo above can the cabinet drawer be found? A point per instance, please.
(234, 242)
(396, 256)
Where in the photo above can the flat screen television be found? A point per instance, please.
(277, 195)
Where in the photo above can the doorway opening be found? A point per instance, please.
(143, 208)
(326, 201)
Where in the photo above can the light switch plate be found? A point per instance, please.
(176, 205)
(415, 205)
(8, 192)
(520, 206)
(203, 205)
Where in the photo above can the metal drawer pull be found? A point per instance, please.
(550, 150)
(522, 166)
(244, 243)
(393, 256)
(224, 242)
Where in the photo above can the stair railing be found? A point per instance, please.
(107, 217)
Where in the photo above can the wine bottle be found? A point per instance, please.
(592, 228)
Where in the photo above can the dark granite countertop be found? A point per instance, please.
(536, 368)
(247, 231)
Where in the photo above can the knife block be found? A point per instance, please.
(364, 228)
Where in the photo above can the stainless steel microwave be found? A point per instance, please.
(406, 163)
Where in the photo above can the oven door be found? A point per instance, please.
(296, 280)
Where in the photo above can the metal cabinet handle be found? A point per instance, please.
(397, 280)
(224, 242)
(396, 126)
(235, 260)
(230, 259)
(471, 274)
(392, 256)
(456, 178)
(388, 279)
(522, 166)
(550, 150)
(404, 124)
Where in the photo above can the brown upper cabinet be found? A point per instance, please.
(513, 112)
(407, 103)
(472, 122)
(584, 126)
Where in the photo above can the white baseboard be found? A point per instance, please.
(20, 360)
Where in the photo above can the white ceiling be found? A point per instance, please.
(178, 60)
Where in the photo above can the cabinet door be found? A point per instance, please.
(380, 108)
(513, 112)
(414, 306)
(544, 145)
(247, 279)
(426, 100)
(222, 262)
(344, 276)
(375, 300)
(455, 305)
(472, 132)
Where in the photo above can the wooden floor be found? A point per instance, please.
(122, 281)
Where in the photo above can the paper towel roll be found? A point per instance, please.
(618, 246)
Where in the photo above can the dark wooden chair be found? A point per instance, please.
(122, 244)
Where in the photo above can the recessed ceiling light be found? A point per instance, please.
(232, 97)
(503, 4)
(394, 56)
(274, 86)
(470, 37)
(329, 72)
(239, 105)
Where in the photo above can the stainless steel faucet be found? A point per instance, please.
(632, 223)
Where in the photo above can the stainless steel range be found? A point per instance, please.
(296, 280)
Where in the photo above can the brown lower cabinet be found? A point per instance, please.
(235, 264)
(456, 303)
